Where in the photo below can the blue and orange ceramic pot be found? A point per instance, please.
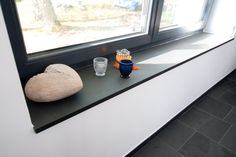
(126, 67)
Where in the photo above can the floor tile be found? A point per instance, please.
(220, 88)
(201, 146)
(216, 91)
(229, 97)
(176, 134)
(230, 85)
(213, 106)
(232, 76)
(156, 148)
(229, 140)
(206, 129)
(231, 118)
(194, 118)
(233, 90)
(214, 129)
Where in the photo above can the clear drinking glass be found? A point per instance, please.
(100, 65)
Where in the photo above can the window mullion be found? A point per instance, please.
(160, 4)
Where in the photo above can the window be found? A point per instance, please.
(73, 32)
(60, 23)
(181, 12)
(180, 18)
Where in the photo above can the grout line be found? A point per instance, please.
(213, 115)
(218, 144)
(169, 146)
(226, 89)
(230, 150)
(186, 141)
(222, 101)
(225, 133)
(228, 113)
(195, 129)
(177, 149)
(218, 96)
(210, 114)
(198, 131)
(188, 126)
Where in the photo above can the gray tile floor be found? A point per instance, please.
(206, 129)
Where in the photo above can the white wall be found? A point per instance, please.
(222, 18)
(114, 127)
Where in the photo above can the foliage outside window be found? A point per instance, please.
(49, 24)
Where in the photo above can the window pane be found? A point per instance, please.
(181, 12)
(49, 24)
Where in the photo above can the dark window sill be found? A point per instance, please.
(153, 61)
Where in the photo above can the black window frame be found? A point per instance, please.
(82, 54)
